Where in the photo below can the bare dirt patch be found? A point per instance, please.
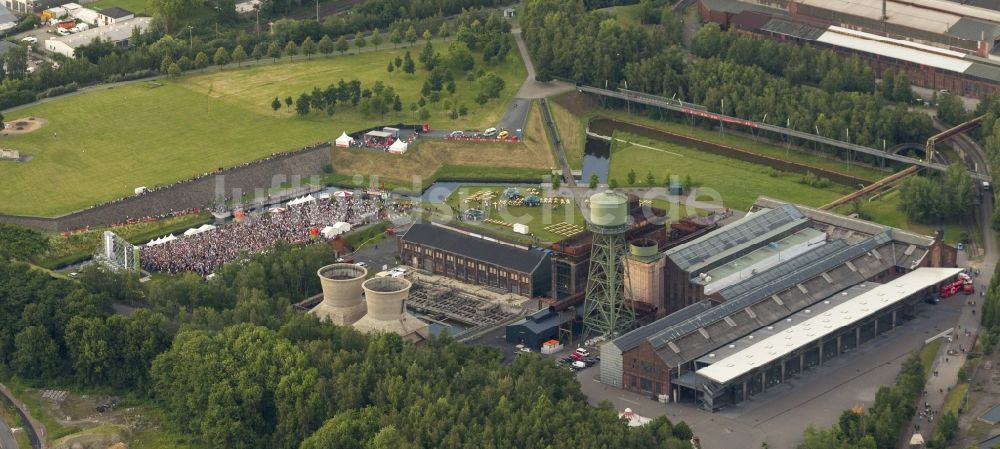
(23, 126)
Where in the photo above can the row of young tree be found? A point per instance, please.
(938, 198)
(797, 64)
(101, 61)
(230, 363)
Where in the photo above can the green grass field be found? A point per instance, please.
(136, 6)
(584, 109)
(101, 144)
(738, 183)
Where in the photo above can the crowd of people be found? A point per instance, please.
(203, 253)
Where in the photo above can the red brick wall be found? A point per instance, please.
(642, 363)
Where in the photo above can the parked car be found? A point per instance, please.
(582, 352)
(490, 132)
(361, 264)
(961, 246)
(63, 32)
(30, 39)
(503, 135)
(457, 134)
(579, 365)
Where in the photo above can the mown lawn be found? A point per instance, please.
(738, 183)
(136, 6)
(101, 144)
(584, 109)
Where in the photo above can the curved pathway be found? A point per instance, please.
(35, 430)
(7, 440)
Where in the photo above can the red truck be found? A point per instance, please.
(963, 284)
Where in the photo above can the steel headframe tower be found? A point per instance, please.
(607, 306)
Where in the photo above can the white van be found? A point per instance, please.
(490, 132)
(63, 32)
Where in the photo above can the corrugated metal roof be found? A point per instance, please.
(632, 339)
(772, 281)
(821, 258)
(974, 30)
(733, 235)
(736, 7)
(984, 71)
(897, 49)
(794, 29)
(811, 327)
(904, 14)
(480, 249)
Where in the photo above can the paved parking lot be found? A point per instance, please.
(779, 416)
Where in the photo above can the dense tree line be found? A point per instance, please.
(744, 77)
(250, 372)
(797, 64)
(880, 426)
(52, 328)
(20, 243)
(310, 385)
(567, 41)
(938, 198)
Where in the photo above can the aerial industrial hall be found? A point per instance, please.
(784, 289)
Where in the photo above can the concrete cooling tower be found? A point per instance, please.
(343, 302)
(386, 300)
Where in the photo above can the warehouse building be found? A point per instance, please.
(949, 25)
(970, 68)
(476, 260)
(758, 241)
(780, 263)
(811, 337)
(542, 326)
(118, 34)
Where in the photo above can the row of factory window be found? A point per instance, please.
(646, 366)
(468, 263)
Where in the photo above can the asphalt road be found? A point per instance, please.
(7, 440)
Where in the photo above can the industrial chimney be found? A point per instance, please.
(386, 301)
(342, 300)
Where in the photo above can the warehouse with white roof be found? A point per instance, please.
(774, 294)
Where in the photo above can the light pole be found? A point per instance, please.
(257, 10)
(722, 111)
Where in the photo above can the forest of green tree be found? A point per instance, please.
(804, 88)
(231, 364)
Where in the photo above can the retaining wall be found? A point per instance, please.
(606, 126)
(201, 192)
